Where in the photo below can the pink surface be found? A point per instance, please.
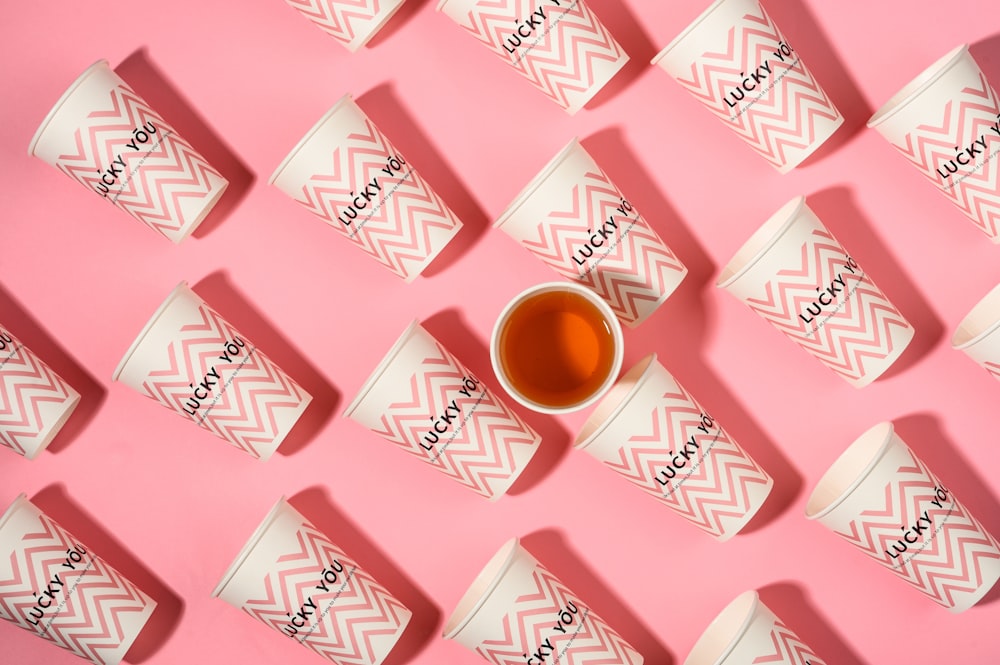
(171, 505)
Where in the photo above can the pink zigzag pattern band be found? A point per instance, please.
(343, 20)
(788, 649)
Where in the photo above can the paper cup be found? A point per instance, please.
(976, 334)
(106, 137)
(292, 578)
(736, 62)
(747, 632)
(346, 172)
(192, 361)
(573, 218)
(421, 398)
(878, 494)
(795, 274)
(516, 606)
(57, 588)
(946, 123)
(652, 432)
(34, 401)
(560, 46)
(351, 23)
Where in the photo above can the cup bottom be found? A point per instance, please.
(604, 77)
(824, 130)
(901, 344)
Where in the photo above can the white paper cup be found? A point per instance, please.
(747, 631)
(34, 401)
(560, 46)
(794, 274)
(421, 398)
(346, 172)
(736, 62)
(878, 494)
(976, 333)
(192, 361)
(56, 588)
(946, 123)
(292, 578)
(573, 218)
(351, 23)
(653, 433)
(106, 137)
(516, 606)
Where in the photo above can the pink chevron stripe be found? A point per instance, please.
(343, 20)
(788, 649)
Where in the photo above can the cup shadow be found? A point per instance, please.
(450, 329)
(152, 85)
(622, 24)
(789, 603)
(550, 548)
(43, 345)
(315, 504)
(987, 55)
(387, 111)
(222, 296)
(54, 501)
(398, 21)
(850, 225)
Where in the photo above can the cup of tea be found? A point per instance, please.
(556, 347)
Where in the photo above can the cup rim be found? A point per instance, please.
(249, 546)
(978, 309)
(147, 328)
(490, 575)
(537, 181)
(875, 442)
(909, 92)
(687, 31)
(50, 116)
(754, 597)
(337, 106)
(18, 501)
(776, 225)
(381, 368)
(643, 370)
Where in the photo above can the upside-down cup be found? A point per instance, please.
(653, 433)
(879, 493)
(351, 23)
(292, 578)
(34, 401)
(560, 46)
(735, 61)
(977, 336)
(748, 632)
(346, 172)
(946, 123)
(795, 275)
(573, 218)
(192, 361)
(421, 398)
(516, 606)
(57, 588)
(106, 137)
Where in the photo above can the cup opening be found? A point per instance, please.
(382, 367)
(687, 31)
(761, 242)
(537, 181)
(62, 100)
(725, 631)
(914, 88)
(849, 471)
(982, 320)
(482, 588)
(16, 505)
(148, 327)
(609, 408)
(241, 558)
(339, 105)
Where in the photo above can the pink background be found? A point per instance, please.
(170, 505)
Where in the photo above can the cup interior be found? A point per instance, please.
(914, 88)
(62, 100)
(725, 631)
(482, 587)
(241, 558)
(981, 320)
(762, 240)
(687, 31)
(336, 108)
(614, 402)
(382, 367)
(178, 290)
(849, 471)
(537, 181)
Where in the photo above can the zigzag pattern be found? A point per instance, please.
(400, 233)
(352, 620)
(341, 19)
(561, 63)
(633, 275)
(783, 119)
(257, 397)
(479, 448)
(971, 116)
(28, 387)
(714, 487)
(947, 560)
(530, 622)
(788, 649)
(858, 332)
(155, 187)
(87, 610)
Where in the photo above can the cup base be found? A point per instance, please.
(902, 343)
(608, 73)
(53, 431)
(824, 131)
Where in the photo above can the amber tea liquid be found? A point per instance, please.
(556, 348)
